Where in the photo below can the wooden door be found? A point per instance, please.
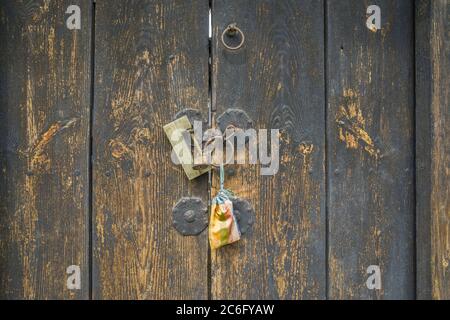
(280, 85)
(370, 160)
(151, 61)
(87, 184)
(45, 109)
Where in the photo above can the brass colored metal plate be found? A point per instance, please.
(178, 131)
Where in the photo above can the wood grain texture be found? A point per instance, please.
(44, 111)
(370, 116)
(151, 62)
(278, 79)
(433, 148)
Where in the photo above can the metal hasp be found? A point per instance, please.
(179, 134)
(189, 216)
(244, 214)
(234, 118)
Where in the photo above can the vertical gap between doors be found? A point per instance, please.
(209, 271)
(91, 122)
(325, 75)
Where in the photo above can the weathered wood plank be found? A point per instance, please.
(151, 61)
(433, 148)
(277, 77)
(44, 114)
(370, 149)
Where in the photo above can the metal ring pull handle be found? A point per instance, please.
(232, 30)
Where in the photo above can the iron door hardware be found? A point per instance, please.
(234, 118)
(189, 216)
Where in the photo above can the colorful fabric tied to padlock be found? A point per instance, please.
(223, 228)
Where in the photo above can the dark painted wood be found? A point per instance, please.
(44, 115)
(151, 62)
(278, 79)
(432, 148)
(370, 158)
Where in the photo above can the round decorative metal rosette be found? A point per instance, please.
(234, 118)
(244, 213)
(190, 216)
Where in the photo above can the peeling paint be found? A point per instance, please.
(118, 149)
(37, 154)
(352, 125)
(306, 148)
